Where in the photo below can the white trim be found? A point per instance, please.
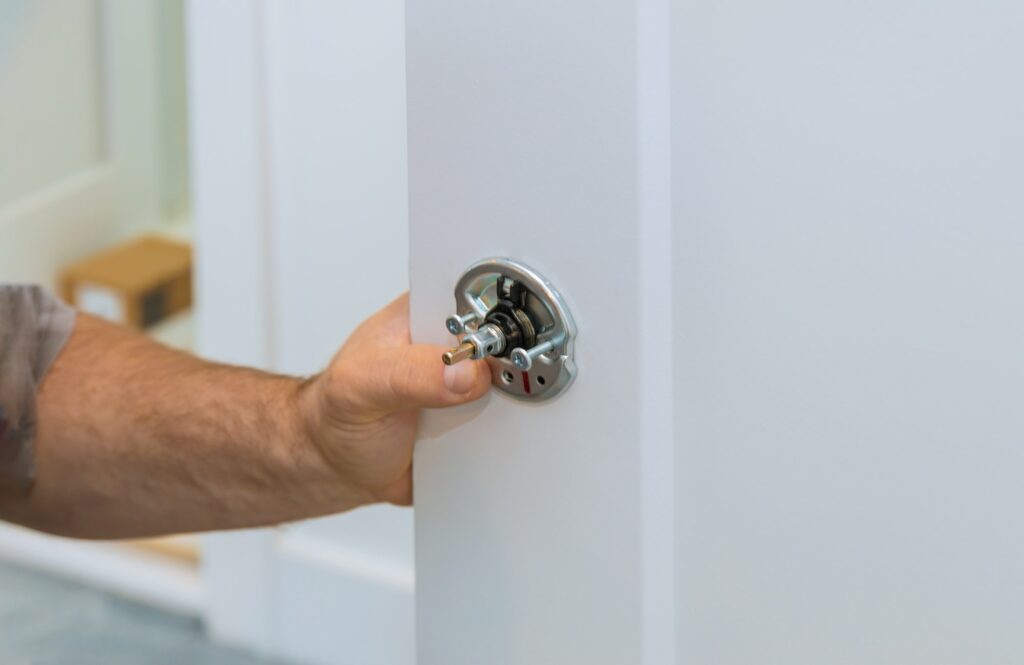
(123, 570)
(77, 184)
(237, 574)
(227, 148)
(346, 561)
(57, 224)
(228, 172)
(654, 131)
(131, 79)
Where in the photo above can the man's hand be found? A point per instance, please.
(362, 411)
(135, 439)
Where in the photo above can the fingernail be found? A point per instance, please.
(460, 377)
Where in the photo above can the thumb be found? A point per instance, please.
(416, 378)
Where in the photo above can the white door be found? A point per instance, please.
(299, 164)
(539, 131)
(790, 234)
(80, 129)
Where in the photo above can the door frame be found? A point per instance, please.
(254, 579)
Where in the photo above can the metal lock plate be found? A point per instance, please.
(509, 314)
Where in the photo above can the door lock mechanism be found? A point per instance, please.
(510, 315)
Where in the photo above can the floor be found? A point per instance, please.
(49, 621)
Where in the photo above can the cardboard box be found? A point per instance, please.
(138, 283)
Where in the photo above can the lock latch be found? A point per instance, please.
(510, 315)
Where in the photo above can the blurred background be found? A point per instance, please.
(228, 177)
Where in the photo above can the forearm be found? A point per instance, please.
(135, 439)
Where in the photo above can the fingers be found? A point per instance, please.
(413, 377)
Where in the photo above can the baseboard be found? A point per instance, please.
(120, 569)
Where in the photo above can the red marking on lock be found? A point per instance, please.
(526, 383)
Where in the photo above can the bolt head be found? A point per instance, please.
(454, 325)
(521, 359)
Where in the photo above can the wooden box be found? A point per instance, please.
(138, 283)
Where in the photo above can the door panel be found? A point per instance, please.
(523, 143)
(78, 169)
(842, 331)
(848, 258)
(51, 121)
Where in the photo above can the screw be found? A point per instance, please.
(523, 358)
(457, 324)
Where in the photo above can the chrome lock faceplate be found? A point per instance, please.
(509, 314)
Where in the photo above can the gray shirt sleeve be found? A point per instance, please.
(34, 326)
